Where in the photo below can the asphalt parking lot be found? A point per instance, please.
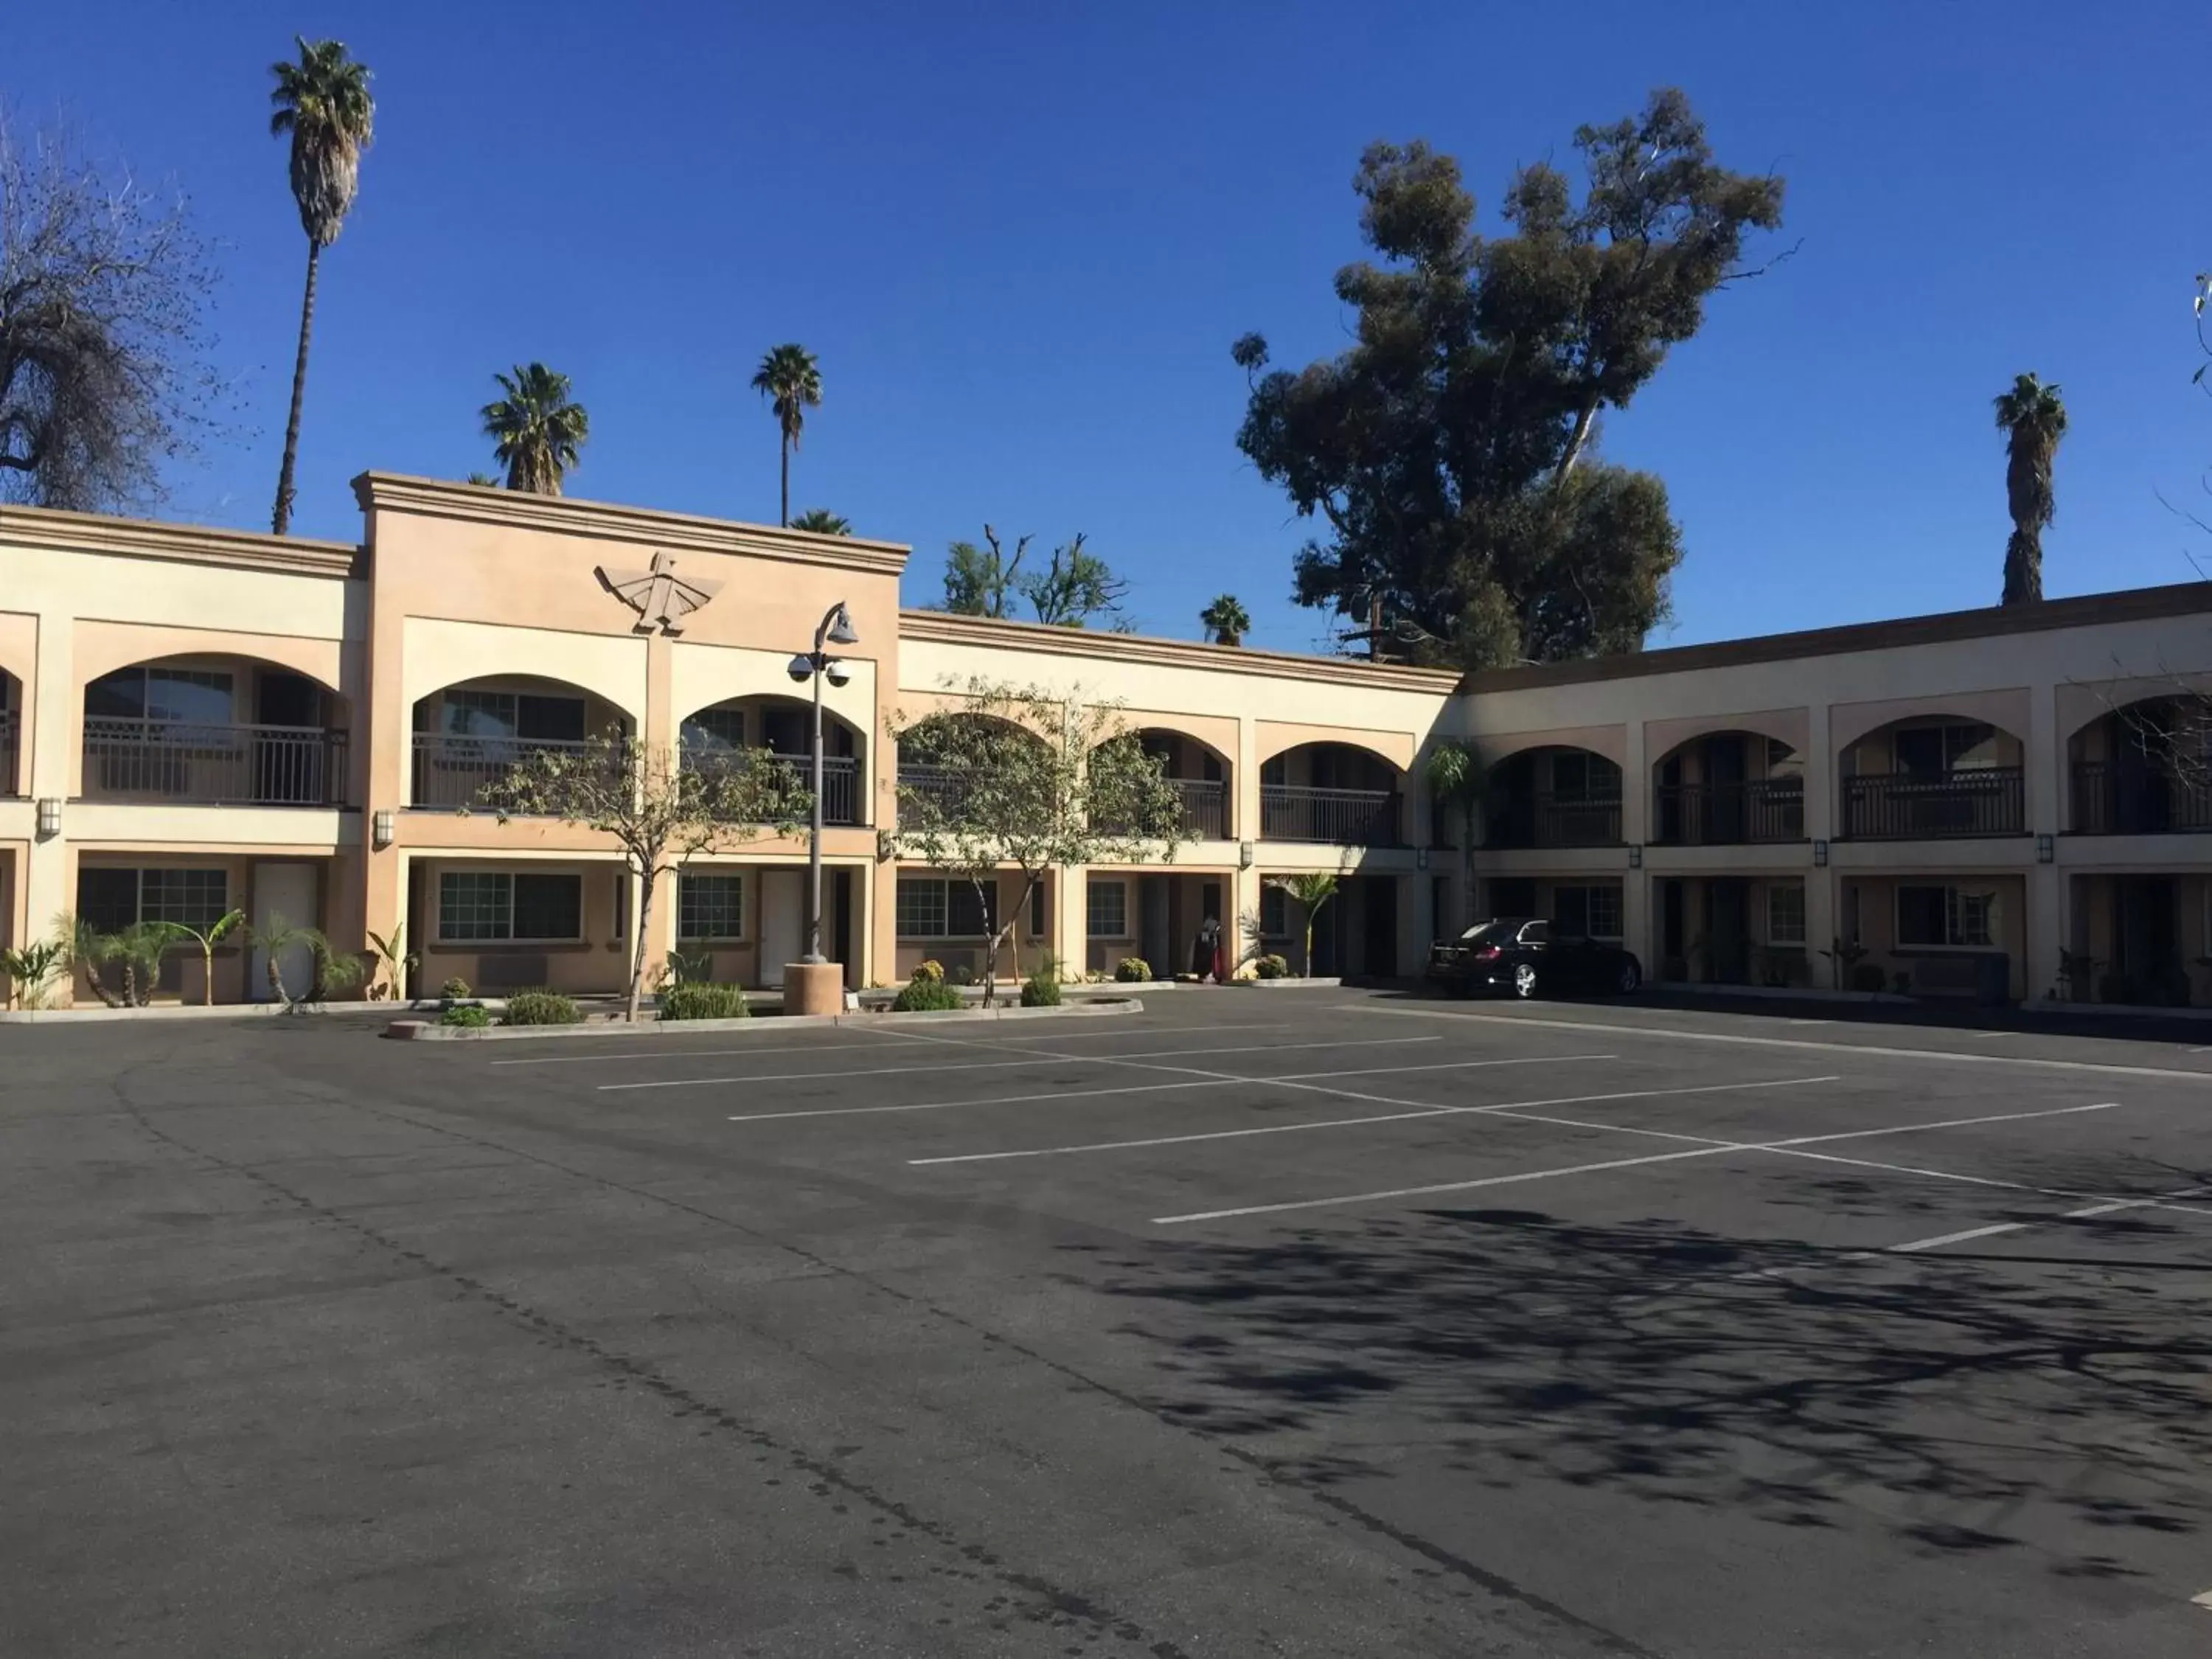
(1310, 1322)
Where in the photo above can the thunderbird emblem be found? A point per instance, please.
(660, 597)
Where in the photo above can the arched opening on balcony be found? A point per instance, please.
(213, 729)
(1336, 794)
(2142, 769)
(730, 732)
(1200, 774)
(469, 735)
(1932, 776)
(1729, 789)
(1554, 796)
(11, 735)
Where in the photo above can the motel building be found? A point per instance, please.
(192, 719)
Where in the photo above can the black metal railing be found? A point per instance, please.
(1729, 814)
(1339, 818)
(453, 771)
(1914, 806)
(2125, 799)
(11, 724)
(937, 783)
(211, 765)
(841, 796)
(1556, 819)
(1205, 807)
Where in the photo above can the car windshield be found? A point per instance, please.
(1489, 932)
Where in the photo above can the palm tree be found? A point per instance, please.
(1458, 780)
(322, 104)
(823, 522)
(790, 378)
(1227, 620)
(1313, 891)
(2032, 420)
(86, 949)
(539, 430)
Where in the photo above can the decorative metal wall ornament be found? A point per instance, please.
(660, 597)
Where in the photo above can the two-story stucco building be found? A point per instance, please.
(191, 719)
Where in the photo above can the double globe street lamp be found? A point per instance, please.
(817, 665)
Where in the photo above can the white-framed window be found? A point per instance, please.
(1945, 917)
(1785, 913)
(112, 900)
(936, 906)
(1592, 912)
(1275, 913)
(710, 905)
(713, 729)
(469, 713)
(501, 907)
(1107, 910)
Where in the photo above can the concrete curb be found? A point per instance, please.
(417, 1031)
(168, 1011)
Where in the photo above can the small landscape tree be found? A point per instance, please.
(1459, 781)
(1313, 891)
(661, 815)
(207, 938)
(1023, 777)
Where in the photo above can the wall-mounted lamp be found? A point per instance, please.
(50, 817)
(1819, 855)
(1635, 857)
(2046, 849)
(380, 828)
(1243, 855)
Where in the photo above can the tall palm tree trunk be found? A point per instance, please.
(282, 523)
(784, 518)
(2023, 568)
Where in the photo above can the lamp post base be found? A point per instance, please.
(813, 988)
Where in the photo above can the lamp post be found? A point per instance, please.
(835, 628)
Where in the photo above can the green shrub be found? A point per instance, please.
(1134, 970)
(1272, 967)
(542, 1008)
(930, 970)
(454, 989)
(922, 994)
(468, 1016)
(1040, 989)
(1901, 982)
(1868, 976)
(697, 999)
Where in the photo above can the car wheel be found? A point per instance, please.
(1629, 979)
(1524, 980)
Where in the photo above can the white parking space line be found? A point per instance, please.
(1504, 1108)
(1197, 1079)
(1008, 1065)
(1612, 1030)
(1706, 1148)
(2099, 1206)
(1917, 1245)
(671, 1051)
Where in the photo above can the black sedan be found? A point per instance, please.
(1531, 958)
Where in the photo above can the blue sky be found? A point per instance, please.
(1021, 239)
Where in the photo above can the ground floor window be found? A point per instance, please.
(710, 906)
(1946, 916)
(112, 900)
(1590, 912)
(1107, 915)
(1275, 913)
(1785, 913)
(938, 907)
(497, 906)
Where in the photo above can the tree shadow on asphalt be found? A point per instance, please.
(1955, 1399)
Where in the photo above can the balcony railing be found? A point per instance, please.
(1339, 818)
(452, 771)
(2138, 800)
(937, 783)
(841, 798)
(211, 765)
(1917, 807)
(1731, 814)
(1205, 807)
(1556, 819)
(11, 723)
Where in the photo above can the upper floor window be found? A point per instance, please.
(1956, 746)
(467, 713)
(194, 697)
(714, 728)
(1578, 772)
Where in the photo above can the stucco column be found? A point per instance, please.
(1820, 763)
(661, 927)
(1821, 925)
(49, 730)
(1245, 888)
(1635, 789)
(881, 878)
(1246, 783)
(1070, 918)
(2046, 930)
(383, 732)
